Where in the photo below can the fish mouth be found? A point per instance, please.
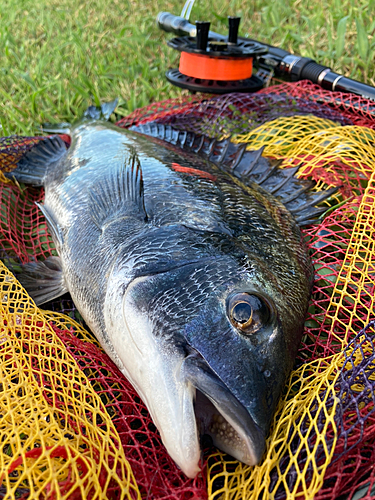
(220, 415)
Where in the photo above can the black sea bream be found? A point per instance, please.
(193, 276)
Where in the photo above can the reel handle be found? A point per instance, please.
(180, 26)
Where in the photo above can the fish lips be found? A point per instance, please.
(221, 415)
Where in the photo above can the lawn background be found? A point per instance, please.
(59, 56)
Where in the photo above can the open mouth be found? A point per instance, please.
(220, 415)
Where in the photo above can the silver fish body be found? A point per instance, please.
(195, 282)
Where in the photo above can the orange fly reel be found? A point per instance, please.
(216, 66)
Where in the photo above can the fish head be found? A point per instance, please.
(208, 345)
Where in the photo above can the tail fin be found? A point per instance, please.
(102, 112)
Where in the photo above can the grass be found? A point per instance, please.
(59, 56)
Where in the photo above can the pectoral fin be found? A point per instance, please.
(119, 196)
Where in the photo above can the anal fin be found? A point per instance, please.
(32, 167)
(120, 195)
(43, 280)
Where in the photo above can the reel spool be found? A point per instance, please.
(214, 65)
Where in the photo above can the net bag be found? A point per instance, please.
(73, 427)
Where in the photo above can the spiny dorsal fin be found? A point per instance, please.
(32, 167)
(249, 166)
(119, 196)
(44, 281)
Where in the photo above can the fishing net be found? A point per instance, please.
(74, 428)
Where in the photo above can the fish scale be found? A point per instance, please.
(194, 278)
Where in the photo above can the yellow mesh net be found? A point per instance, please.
(52, 443)
(315, 142)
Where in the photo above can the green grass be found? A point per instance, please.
(57, 57)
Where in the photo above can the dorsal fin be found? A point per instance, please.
(120, 195)
(249, 166)
(32, 167)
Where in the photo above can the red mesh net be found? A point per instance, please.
(236, 113)
(339, 314)
(20, 216)
(351, 471)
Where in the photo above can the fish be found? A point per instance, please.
(185, 257)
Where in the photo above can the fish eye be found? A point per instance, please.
(247, 312)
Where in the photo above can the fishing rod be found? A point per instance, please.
(272, 61)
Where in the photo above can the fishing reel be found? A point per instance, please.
(214, 63)
(210, 62)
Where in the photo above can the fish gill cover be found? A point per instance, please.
(73, 427)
